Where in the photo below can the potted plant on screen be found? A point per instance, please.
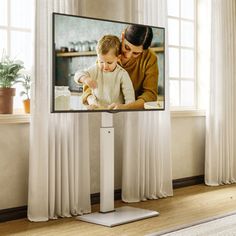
(9, 75)
(26, 82)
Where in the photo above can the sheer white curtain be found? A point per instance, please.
(59, 175)
(147, 172)
(220, 165)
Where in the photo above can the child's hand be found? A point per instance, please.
(92, 106)
(116, 106)
(112, 106)
(90, 82)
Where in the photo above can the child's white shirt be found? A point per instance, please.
(112, 87)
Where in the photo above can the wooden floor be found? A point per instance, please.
(189, 204)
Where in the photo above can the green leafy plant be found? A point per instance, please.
(9, 71)
(25, 81)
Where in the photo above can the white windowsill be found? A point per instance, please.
(187, 113)
(20, 118)
(14, 118)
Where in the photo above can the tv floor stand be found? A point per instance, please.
(108, 215)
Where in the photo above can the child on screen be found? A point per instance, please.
(109, 83)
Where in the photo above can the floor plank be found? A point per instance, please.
(189, 204)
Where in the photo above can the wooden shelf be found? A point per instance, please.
(76, 54)
(93, 53)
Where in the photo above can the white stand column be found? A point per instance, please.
(107, 164)
(108, 216)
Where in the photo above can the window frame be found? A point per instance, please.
(180, 47)
(17, 111)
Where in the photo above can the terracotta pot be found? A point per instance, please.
(6, 100)
(27, 105)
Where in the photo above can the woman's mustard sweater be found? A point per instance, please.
(143, 72)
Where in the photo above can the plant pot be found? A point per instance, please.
(6, 100)
(27, 105)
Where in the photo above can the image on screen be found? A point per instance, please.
(103, 65)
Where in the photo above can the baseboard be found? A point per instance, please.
(21, 212)
(189, 181)
(13, 213)
(177, 183)
(95, 197)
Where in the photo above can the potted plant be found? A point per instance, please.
(26, 82)
(9, 75)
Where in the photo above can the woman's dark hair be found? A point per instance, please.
(139, 35)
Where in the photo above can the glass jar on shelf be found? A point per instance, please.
(78, 46)
(72, 46)
(85, 46)
(93, 45)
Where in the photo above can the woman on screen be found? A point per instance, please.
(141, 64)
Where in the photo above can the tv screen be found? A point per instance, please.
(104, 65)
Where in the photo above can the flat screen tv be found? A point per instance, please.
(103, 65)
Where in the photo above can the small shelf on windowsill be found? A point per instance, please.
(93, 53)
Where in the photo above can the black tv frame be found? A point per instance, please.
(90, 111)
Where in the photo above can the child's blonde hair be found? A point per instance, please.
(108, 42)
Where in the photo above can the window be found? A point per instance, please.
(182, 53)
(16, 22)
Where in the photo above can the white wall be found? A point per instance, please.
(188, 146)
(109, 9)
(14, 153)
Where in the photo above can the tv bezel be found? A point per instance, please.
(99, 110)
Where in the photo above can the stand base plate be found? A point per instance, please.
(121, 215)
